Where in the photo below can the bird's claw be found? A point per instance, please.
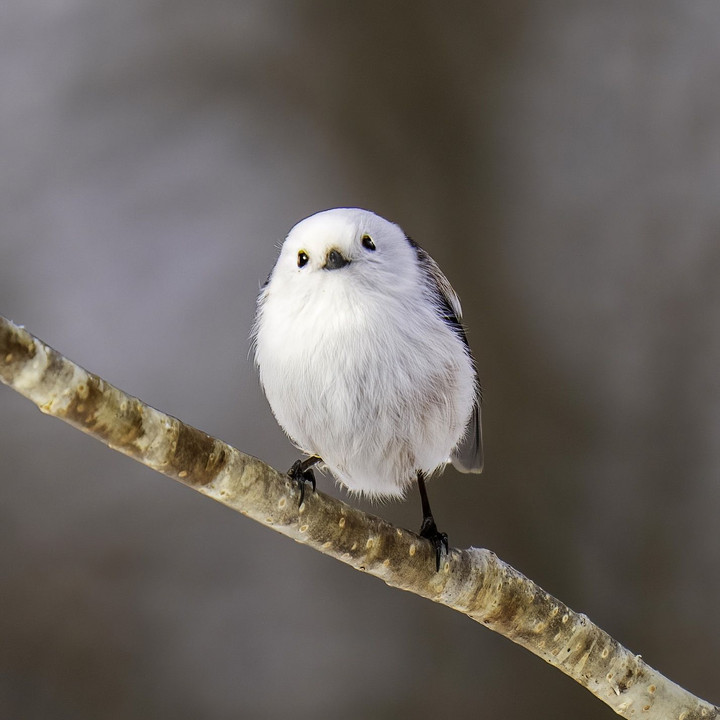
(301, 476)
(429, 531)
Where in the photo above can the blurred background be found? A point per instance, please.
(561, 161)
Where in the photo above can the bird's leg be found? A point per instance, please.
(301, 473)
(428, 529)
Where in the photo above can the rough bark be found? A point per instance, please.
(473, 581)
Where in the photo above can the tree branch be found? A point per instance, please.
(472, 581)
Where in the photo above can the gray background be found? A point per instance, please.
(560, 160)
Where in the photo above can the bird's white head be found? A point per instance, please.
(349, 243)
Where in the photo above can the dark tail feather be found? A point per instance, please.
(468, 455)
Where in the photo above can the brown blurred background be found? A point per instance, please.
(560, 160)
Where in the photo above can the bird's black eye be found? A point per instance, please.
(302, 258)
(367, 242)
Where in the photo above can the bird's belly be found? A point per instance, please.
(367, 393)
(371, 410)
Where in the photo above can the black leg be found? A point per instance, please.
(428, 529)
(301, 473)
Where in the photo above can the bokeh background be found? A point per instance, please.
(560, 160)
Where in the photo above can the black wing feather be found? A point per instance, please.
(467, 457)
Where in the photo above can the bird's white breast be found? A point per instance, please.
(377, 384)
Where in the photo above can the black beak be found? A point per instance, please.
(335, 260)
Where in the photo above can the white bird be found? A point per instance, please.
(364, 361)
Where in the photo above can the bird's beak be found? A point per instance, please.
(335, 260)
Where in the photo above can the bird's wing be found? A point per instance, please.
(468, 455)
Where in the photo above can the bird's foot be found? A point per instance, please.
(429, 531)
(301, 474)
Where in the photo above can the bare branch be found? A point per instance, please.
(472, 581)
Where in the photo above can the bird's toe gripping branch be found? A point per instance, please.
(301, 474)
(429, 531)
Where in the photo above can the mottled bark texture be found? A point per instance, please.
(473, 581)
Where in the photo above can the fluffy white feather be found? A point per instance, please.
(362, 357)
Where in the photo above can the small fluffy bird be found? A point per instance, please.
(364, 361)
